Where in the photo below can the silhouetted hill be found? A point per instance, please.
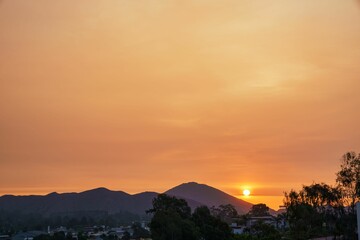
(111, 202)
(208, 196)
(100, 199)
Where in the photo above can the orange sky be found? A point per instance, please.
(144, 95)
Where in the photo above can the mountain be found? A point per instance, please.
(111, 202)
(208, 196)
(100, 199)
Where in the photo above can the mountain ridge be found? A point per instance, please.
(208, 195)
(103, 199)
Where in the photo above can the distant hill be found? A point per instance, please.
(111, 202)
(100, 199)
(208, 196)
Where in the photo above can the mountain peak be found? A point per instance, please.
(53, 194)
(208, 195)
(102, 189)
(99, 190)
(103, 199)
(191, 186)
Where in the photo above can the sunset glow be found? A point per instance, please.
(246, 192)
(144, 95)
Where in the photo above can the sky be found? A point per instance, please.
(146, 95)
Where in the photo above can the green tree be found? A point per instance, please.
(225, 212)
(259, 210)
(69, 236)
(348, 179)
(320, 209)
(59, 236)
(313, 211)
(210, 227)
(264, 231)
(171, 219)
(139, 232)
(126, 236)
(165, 203)
(43, 237)
(81, 236)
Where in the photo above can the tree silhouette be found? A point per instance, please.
(259, 210)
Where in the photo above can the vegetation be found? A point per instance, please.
(56, 236)
(139, 232)
(224, 212)
(172, 220)
(317, 210)
(11, 222)
(259, 210)
(322, 210)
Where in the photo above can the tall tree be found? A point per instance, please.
(210, 227)
(348, 178)
(313, 211)
(259, 210)
(165, 203)
(171, 219)
(225, 212)
(139, 231)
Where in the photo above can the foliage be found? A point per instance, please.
(263, 231)
(56, 236)
(81, 236)
(321, 210)
(313, 211)
(259, 210)
(164, 203)
(210, 227)
(348, 179)
(43, 237)
(139, 232)
(225, 212)
(260, 231)
(126, 236)
(11, 221)
(172, 220)
(245, 236)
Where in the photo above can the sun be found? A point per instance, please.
(246, 192)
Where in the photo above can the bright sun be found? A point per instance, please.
(246, 192)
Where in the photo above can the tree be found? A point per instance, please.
(348, 178)
(43, 237)
(314, 211)
(264, 231)
(165, 203)
(126, 236)
(81, 236)
(210, 227)
(320, 210)
(259, 210)
(69, 236)
(139, 232)
(59, 236)
(225, 212)
(171, 219)
(321, 195)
